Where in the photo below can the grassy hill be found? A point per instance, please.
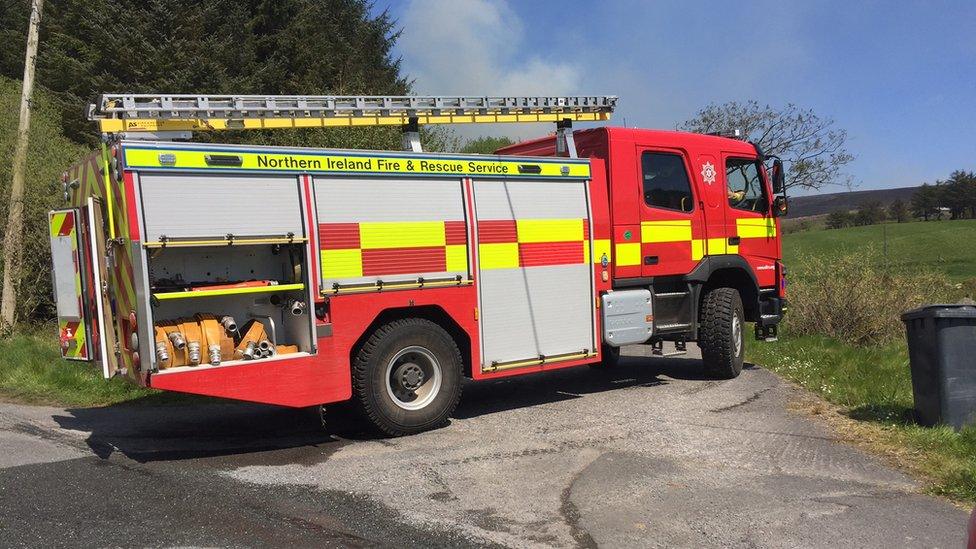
(947, 246)
(822, 204)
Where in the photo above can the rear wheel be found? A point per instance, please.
(720, 333)
(407, 377)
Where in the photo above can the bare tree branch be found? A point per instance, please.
(812, 147)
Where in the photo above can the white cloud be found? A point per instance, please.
(474, 47)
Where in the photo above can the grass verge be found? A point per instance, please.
(872, 390)
(32, 371)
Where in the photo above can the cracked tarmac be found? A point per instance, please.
(648, 454)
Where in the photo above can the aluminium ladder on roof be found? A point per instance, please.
(168, 112)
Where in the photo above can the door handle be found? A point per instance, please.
(734, 240)
(650, 260)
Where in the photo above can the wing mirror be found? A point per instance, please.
(780, 206)
(779, 177)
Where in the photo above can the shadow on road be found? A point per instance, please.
(488, 397)
(210, 428)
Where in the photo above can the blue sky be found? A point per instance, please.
(900, 77)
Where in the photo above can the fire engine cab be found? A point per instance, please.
(304, 277)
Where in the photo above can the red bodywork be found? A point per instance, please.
(617, 213)
(711, 218)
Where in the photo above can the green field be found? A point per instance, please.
(871, 385)
(948, 246)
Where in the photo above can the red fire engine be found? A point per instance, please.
(304, 277)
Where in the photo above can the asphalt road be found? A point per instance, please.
(649, 454)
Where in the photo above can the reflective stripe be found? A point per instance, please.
(601, 246)
(509, 243)
(336, 162)
(753, 227)
(356, 250)
(627, 254)
(678, 230)
(401, 234)
(456, 257)
(549, 230)
(498, 255)
(342, 263)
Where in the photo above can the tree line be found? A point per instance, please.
(954, 198)
(88, 47)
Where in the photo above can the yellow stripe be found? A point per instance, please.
(718, 246)
(678, 230)
(80, 336)
(401, 234)
(229, 291)
(149, 158)
(57, 220)
(549, 230)
(112, 125)
(457, 257)
(627, 254)
(697, 249)
(601, 246)
(342, 263)
(503, 255)
(752, 227)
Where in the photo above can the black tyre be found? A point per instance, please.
(720, 333)
(611, 357)
(407, 377)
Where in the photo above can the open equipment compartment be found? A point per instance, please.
(228, 269)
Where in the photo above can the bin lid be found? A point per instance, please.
(941, 310)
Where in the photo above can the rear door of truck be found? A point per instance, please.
(78, 254)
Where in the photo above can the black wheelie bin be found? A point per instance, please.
(942, 352)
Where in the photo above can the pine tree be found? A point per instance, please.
(924, 201)
(898, 211)
(215, 46)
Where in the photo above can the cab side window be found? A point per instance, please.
(745, 186)
(665, 181)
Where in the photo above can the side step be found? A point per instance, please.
(673, 311)
(657, 349)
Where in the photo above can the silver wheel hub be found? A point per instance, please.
(737, 334)
(413, 377)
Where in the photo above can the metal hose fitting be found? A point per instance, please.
(297, 308)
(228, 323)
(177, 339)
(214, 352)
(248, 352)
(162, 353)
(193, 350)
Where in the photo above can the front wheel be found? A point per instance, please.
(720, 333)
(407, 377)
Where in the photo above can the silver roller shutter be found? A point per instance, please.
(207, 206)
(532, 311)
(407, 210)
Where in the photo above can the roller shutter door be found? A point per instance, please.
(390, 229)
(207, 206)
(535, 274)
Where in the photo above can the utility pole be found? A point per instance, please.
(13, 240)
